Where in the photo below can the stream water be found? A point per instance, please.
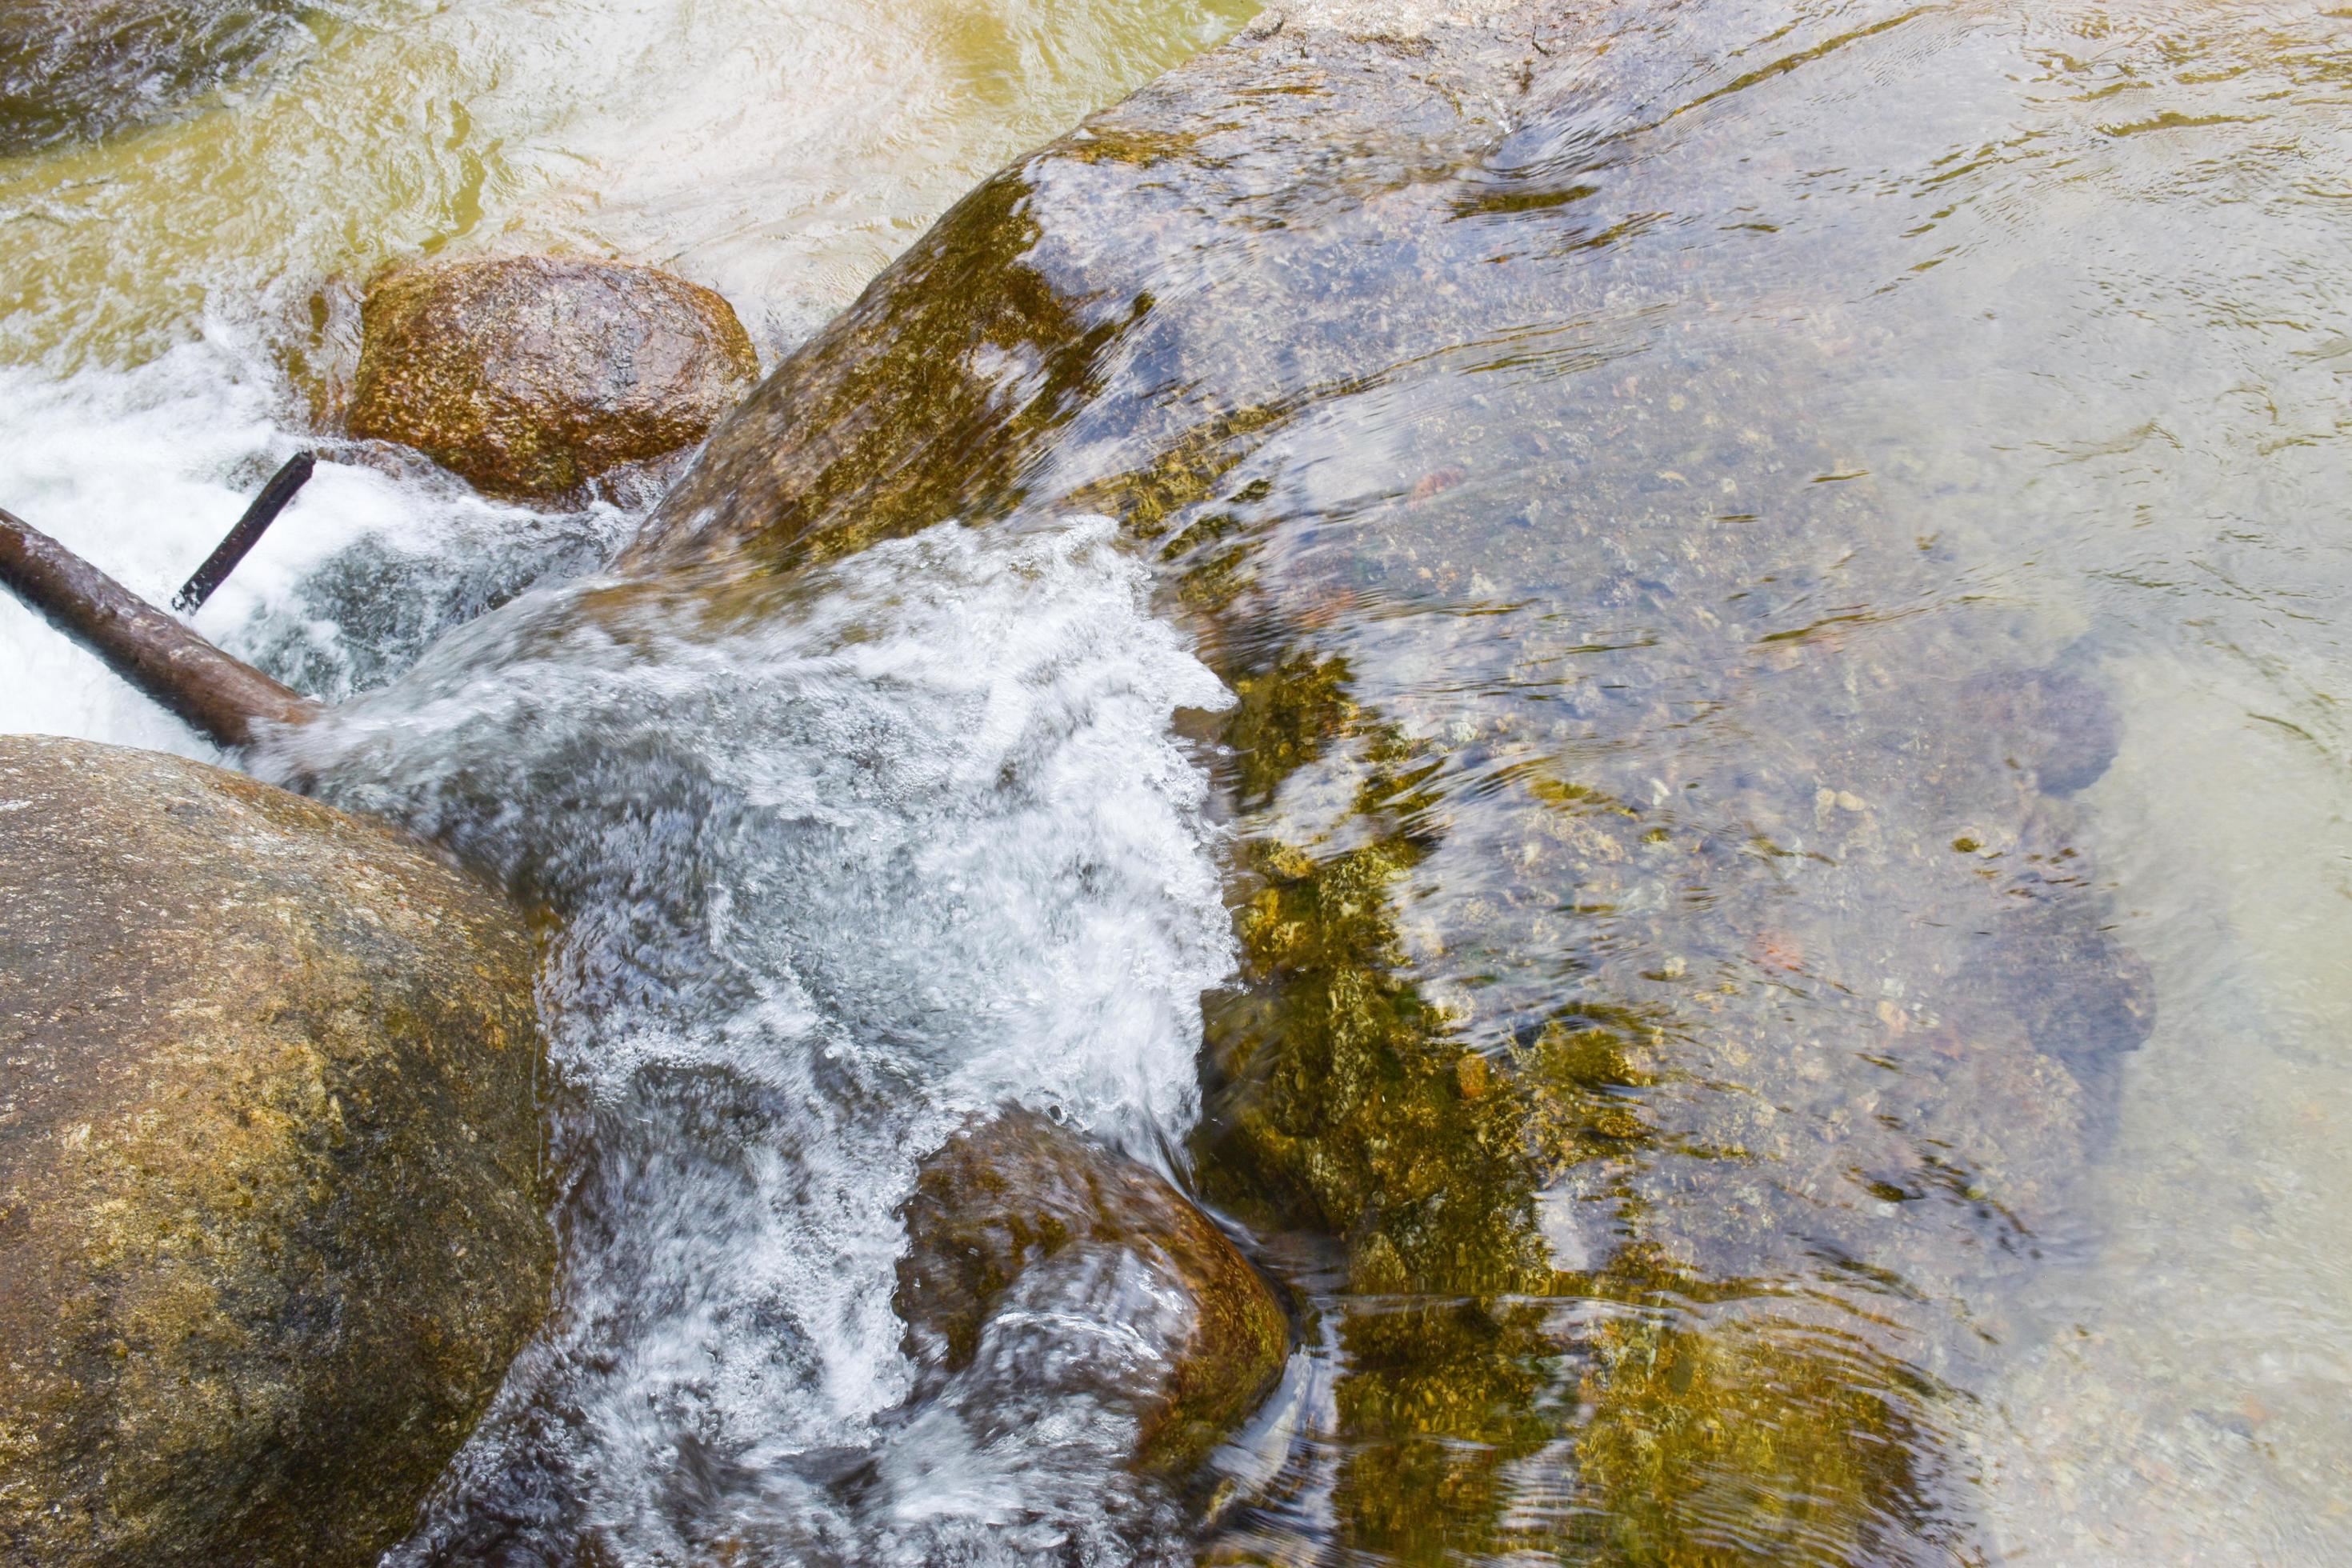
(1672, 718)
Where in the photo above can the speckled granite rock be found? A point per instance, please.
(529, 376)
(270, 1226)
(1020, 1221)
(74, 68)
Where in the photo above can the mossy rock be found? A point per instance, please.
(1021, 1194)
(271, 1223)
(71, 70)
(531, 375)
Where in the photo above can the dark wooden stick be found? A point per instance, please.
(224, 697)
(246, 533)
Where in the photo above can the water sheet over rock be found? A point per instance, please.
(1676, 976)
(74, 68)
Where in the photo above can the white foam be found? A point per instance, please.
(880, 851)
(131, 471)
(142, 472)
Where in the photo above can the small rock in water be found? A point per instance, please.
(1471, 1073)
(71, 70)
(1021, 1220)
(529, 377)
(2058, 724)
(270, 1225)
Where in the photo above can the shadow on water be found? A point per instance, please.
(1641, 475)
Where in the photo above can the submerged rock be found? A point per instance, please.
(2059, 724)
(78, 68)
(1675, 1030)
(270, 1226)
(529, 376)
(1020, 1223)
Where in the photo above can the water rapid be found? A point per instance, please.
(1659, 691)
(833, 869)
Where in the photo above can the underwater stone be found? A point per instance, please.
(531, 375)
(1007, 1203)
(270, 1218)
(72, 69)
(2060, 725)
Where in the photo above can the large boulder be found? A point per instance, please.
(1019, 1224)
(75, 68)
(529, 376)
(270, 1218)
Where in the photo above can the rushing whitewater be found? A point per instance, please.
(1779, 566)
(367, 567)
(838, 864)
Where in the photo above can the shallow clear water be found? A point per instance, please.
(1783, 801)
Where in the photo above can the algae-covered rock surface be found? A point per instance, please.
(1021, 1220)
(270, 1217)
(531, 375)
(1679, 991)
(78, 68)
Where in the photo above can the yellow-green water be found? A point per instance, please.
(778, 151)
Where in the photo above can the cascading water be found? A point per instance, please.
(836, 864)
(1777, 570)
(371, 564)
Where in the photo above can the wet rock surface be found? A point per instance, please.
(1674, 974)
(1019, 1231)
(965, 361)
(270, 1219)
(74, 70)
(532, 375)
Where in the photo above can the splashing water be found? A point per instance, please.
(1780, 591)
(143, 471)
(840, 863)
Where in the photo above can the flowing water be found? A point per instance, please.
(1663, 697)
(179, 301)
(838, 868)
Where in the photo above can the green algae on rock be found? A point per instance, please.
(942, 391)
(1020, 1197)
(1669, 1098)
(271, 1223)
(78, 68)
(532, 375)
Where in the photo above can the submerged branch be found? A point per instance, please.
(224, 697)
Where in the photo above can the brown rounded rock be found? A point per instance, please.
(531, 375)
(270, 1217)
(1006, 1201)
(77, 68)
